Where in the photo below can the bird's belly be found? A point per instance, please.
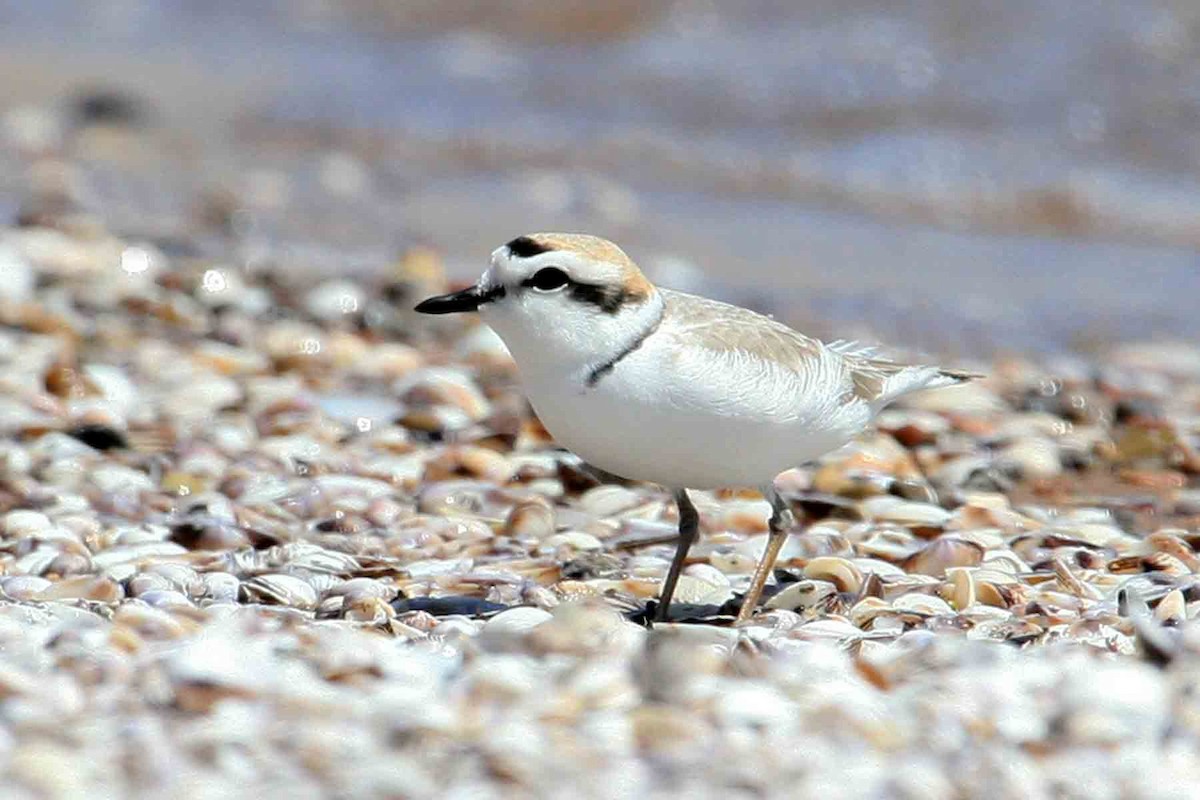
(633, 425)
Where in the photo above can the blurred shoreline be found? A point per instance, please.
(842, 167)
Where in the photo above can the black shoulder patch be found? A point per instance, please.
(600, 371)
(524, 247)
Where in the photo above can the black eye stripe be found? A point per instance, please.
(608, 299)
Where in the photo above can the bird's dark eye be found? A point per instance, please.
(548, 279)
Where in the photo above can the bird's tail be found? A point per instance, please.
(907, 379)
(949, 377)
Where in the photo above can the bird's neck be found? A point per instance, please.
(570, 347)
(638, 323)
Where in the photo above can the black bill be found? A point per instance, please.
(469, 299)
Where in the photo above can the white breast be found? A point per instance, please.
(690, 417)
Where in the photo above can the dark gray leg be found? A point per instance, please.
(689, 528)
(778, 526)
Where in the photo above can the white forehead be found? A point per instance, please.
(510, 269)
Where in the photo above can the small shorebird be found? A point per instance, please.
(655, 385)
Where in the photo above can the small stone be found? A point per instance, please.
(17, 278)
(1031, 458)
(23, 587)
(507, 627)
(83, 587)
(800, 595)
(904, 512)
(533, 518)
(335, 301)
(607, 501)
(701, 591)
(284, 590)
(433, 386)
(22, 523)
(843, 574)
(943, 553)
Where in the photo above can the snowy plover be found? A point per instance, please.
(661, 386)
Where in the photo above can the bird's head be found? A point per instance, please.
(558, 297)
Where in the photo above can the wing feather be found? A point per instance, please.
(856, 369)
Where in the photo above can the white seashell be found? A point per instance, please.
(575, 540)
(905, 512)
(126, 553)
(801, 595)
(22, 587)
(609, 500)
(165, 599)
(220, 587)
(867, 609)
(923, 604)
(828, 629)
(36, 562)
(1172, 608)
(531, 518)
(22, 523)
(962, 587)
(284, 590)
(508, 626)
(838, 571)
(117, 479)
(699, 591)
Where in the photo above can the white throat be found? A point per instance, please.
(577, 341)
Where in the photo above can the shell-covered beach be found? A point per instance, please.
(266, 532)
(276, 534)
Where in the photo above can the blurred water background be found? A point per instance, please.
(965, 175)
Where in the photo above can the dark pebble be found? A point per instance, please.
(188, 534)
(818, 506)
(687, 613)
(109, 107)
(782, 578)
(988, 479)
(706, 614)
(1191, 590)
(449, 606)
(99, 437)
(1133, 407)
(594, 565)
(1188, 503)
(913, 489)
